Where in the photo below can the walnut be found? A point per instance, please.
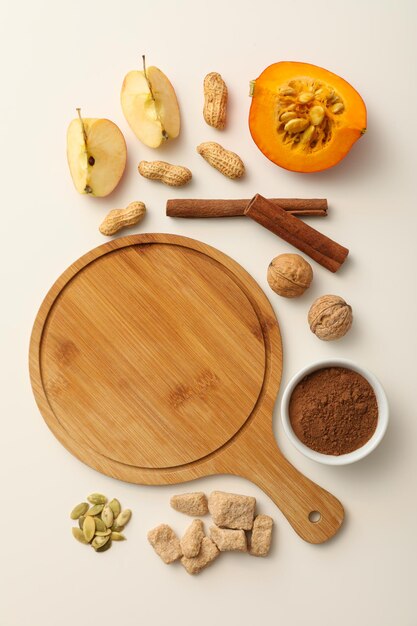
(330, 317)
(289, 275)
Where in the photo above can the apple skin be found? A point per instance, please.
(153, 116)
(98, 159)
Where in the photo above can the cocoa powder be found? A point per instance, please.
(333, 410)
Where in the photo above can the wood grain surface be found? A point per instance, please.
(157, 359)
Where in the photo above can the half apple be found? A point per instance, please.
(150, 106)
(96, 152)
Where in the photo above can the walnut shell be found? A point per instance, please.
(289, 275)
(330, 317)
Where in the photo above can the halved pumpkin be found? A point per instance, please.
(303, 117)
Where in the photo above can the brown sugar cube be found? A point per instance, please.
(231, 510)
(193, 536)
(165, 543)
(261, 535)
(208, 552)
(194, 504)
(226, 539)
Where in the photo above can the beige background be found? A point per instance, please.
(56, 56)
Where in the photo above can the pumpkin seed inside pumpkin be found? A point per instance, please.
(303, 104)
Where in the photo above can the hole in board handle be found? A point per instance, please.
(314, 516)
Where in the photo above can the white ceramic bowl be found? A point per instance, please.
(351, 457)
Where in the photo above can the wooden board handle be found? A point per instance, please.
(312, 511)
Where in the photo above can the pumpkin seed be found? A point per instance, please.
(103, 533)
(106, 546)
(338, 107)
(107, 516)
(99, 542)
(116, 528)
(100, 525)
(332, 97)
(79, 510)
(81, 521)
(78, 534)
(125, 515)
(89, 528)
(97, 498)
(115, 507)
(297, 125)
(316, 115)
(287, 91)
(305, 96)
(96, 509)
(116, 536)
(307, 135)
(287, 116)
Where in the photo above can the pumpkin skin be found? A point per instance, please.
(330, 141)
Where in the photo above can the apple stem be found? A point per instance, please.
(83, 127)
(146, 76)
(164, 133)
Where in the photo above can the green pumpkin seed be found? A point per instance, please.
(116, 536)
(107, 516)
(97, 498)
(78, 534)
(115, 507)
(89, 528)
(106, 546)
(117, 529)
(79, 510)
(124, 517)
(103, 533)
(96, 509)
(100, 525)
(99, 542)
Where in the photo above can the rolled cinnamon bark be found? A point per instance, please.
(186, 207)
(325, 251)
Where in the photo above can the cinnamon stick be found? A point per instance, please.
(325, 251)
(186, 207)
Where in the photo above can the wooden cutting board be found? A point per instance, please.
(157, 359)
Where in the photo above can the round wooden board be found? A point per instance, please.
(157, 359)
(149, 352)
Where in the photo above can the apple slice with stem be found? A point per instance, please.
(150, 106)
(96, 152)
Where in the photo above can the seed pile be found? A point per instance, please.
(236, 528)
(307, 110)
(100, 522)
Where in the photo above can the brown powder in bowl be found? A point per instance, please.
(333, 410)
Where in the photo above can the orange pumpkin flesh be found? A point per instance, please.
(288, 101)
